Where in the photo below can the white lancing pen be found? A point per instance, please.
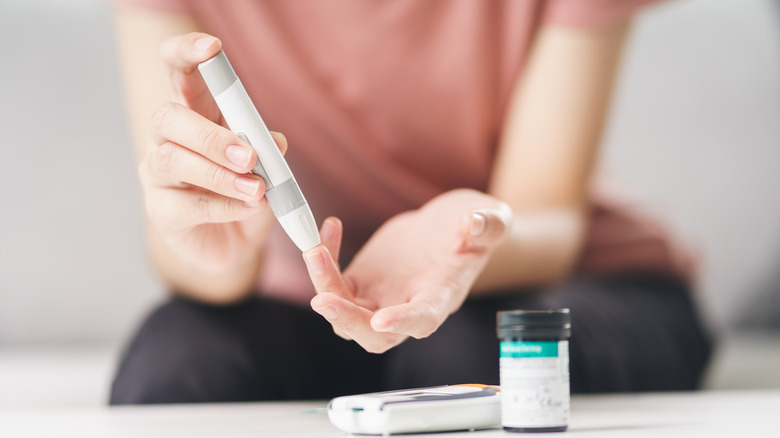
(282, 191)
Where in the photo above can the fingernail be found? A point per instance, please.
(247, 185)
(329, 312)
(238, 155)
(251, 204)
(203, 43)
(477, 226)
(387, 326)
(316, 261)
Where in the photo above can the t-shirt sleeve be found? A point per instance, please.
(590, 13)
(176, 6)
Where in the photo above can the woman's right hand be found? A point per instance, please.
(199, 191)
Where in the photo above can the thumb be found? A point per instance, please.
(182, 54)
(483, 229)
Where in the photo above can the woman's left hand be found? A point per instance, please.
(414, 272)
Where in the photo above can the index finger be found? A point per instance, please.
(181, 125)
(182, 54)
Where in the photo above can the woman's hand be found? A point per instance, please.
(414, 272)
(198, 189)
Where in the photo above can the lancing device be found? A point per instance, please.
(282, 191)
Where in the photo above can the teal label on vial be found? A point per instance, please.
(529, 349)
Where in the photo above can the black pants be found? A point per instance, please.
(629, 333)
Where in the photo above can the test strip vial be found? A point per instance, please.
(534, 369)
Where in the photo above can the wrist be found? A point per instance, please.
(228, 284)
(540, 248)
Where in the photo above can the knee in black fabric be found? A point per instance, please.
(463, 350)
(443, 359)
(637, 332)
(634, 333)
(184, 352)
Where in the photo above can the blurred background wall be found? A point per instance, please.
(72, 259)
(695, 138)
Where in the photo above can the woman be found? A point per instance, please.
(455, 140)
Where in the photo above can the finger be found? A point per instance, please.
(182, 54)
(281, 141)
(341, 334)
(483, 229)
(418, 318)
(353, 321)
(171, 165)
(174, 209)
(327, 308)
(181, 125)
(185, 52)
(324, 273)
(331, 234)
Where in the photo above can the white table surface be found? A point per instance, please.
(737, 414)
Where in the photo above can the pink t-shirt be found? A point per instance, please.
(385, 104)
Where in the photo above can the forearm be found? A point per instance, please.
(548, 150)
(540, 248)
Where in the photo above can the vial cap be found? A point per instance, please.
(550, 317)
(555, 323)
